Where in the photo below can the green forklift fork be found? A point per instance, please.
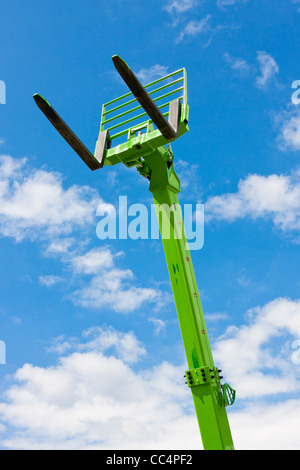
(137, 129)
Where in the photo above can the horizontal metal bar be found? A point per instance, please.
(140, 107)
(150, 93)
(118, 134)
(127, 121)
(123, 114)
(172, 92)
(133, 118)
(145, 86)
(125, 131)
(120, 106)
(165, 86)
(117, 99)
(164, 78)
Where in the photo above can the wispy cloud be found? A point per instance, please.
(265, 68)
(180, 6)
(296, 2)
(147, 75)
(216, 316)
(49, 281)
(268, 69)
(194, 28)
(99, 282)
(190, 179)
(237, 64)
(224, 3)
(159, 325)
(104, 339)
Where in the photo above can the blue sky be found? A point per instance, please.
(90, 328)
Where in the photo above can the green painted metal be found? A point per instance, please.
(228, 395)
(207, 396)
(131, 136)
(137, 142)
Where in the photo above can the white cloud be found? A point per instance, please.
(267, 66)
(263, 426)
(92, 261)
(194, 27)
(124, 346)
(60, 345)
(33, 203)
(275, 197)
(216, 316)
(159, 325)
(258, 355)
(94, 399)
(237, 64)
(102, 283)
(115, 289)
(222, 3)
(59, 246)
(180, 6)
(152, 73)
(268, 69)
(49, 280)
(290, 130)
(189, 176)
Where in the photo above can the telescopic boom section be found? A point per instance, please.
(67, 133)
(144, 98)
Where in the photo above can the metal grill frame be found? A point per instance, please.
(138, 143)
